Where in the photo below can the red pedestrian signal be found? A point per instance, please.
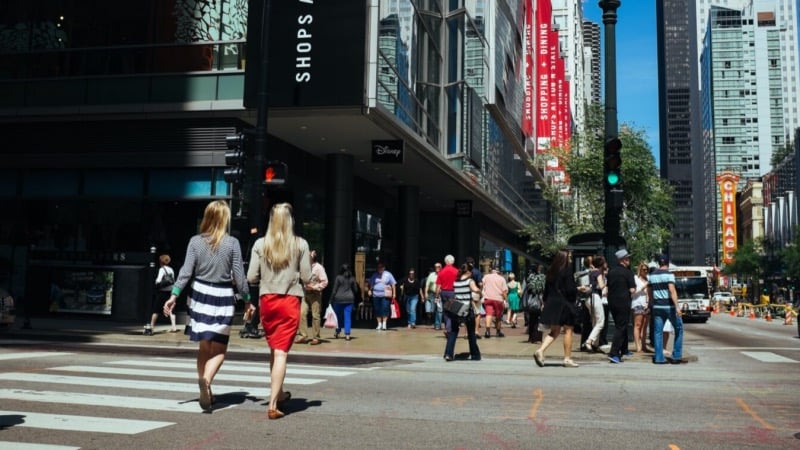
(275, 173)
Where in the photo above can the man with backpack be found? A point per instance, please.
(532, 302)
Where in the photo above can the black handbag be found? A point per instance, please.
(457, 307)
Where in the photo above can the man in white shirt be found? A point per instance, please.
(312, 298)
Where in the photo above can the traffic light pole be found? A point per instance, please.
(611, 220)
(257, 219)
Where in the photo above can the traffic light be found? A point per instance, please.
(235, 158)
(275, 173)
(612, 172)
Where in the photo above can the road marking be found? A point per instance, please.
(28, 355)
(260, 368)
(222, 376)
(753, 414)
(538, 395)
(78, 423)
(769, 357)
(6, 445)
(120, 383)
(116, 401)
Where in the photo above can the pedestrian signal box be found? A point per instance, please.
(275, 173)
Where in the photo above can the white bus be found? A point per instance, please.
(694, 294)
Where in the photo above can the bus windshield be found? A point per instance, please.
(688, 286)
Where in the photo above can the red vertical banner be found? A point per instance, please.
(567, 114)
(727, 189)
(560, 79)
(544, 12)
(552, 86)
(527, 105)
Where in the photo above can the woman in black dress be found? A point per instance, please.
(560, 293)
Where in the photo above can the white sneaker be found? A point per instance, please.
(379, 327)
(384, 327)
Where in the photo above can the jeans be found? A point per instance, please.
(434, 307)
(452, 335)
(443, 296)
(344, 313)
(411, 308)
(660, 314)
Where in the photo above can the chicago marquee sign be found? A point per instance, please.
(727, 187)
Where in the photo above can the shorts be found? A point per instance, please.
(280, 318)
(640, 310)
(493, 307)
(380, 306)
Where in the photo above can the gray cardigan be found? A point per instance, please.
(288, 281)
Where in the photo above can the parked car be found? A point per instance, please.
(8, 312)
(726, 298)
(695, 309)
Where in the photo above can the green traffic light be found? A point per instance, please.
(612, 178)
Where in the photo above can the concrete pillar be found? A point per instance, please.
(339, 213)
(408, 229)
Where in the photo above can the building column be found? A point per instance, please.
(408, 229)
(339, 213)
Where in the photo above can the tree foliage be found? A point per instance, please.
(790, 257)
(748, 260)
(778, 155)
(648, 212)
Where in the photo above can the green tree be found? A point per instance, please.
(748, 260)
(778, 155)
(648, 213)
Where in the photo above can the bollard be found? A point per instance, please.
(752, 314)
(768, 316)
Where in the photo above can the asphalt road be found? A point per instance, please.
(740, 394)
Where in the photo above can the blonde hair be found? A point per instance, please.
(280, 242)
(215, 222)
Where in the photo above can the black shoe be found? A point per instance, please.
(500, 334)
(487, 335)
(660, 362)
(475, 358)
(676, 361)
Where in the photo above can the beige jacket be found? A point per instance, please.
(288, 281)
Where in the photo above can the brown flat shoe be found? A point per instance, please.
(300, 340)
(273, 414)
(314, 342)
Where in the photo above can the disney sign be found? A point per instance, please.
(387, 151)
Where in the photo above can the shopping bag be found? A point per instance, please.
(330, 318)
(395, 309)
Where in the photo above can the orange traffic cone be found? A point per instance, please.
(768, 316)
(733, 312)
(752, 314)
(789, 318)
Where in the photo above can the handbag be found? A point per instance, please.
(330, 318)
(457, 307)
(395, 307)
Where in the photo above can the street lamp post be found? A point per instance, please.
(611, 221)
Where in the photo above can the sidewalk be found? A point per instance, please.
(397, 341)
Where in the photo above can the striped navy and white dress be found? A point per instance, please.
(214, 273)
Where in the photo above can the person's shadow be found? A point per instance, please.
(296, 404)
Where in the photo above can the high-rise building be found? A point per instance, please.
(749, 81)
(400, 123)
(680, 149)
(591, 58)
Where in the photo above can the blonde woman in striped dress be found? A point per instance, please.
(214, 264)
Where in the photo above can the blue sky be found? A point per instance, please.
(637, 64)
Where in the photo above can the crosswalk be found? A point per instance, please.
(152, 384)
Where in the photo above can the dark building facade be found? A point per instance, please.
(679, 123)
(116, 122)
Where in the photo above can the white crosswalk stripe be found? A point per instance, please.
(769, 357)
(130, 379)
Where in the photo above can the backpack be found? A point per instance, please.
(536, 283)
(167, 280)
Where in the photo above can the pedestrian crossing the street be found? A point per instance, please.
(152, 384)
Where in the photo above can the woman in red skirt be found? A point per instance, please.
(280, 264)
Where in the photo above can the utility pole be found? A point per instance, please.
(257, 219)
(612, 144)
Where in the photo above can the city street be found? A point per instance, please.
(738, 392)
